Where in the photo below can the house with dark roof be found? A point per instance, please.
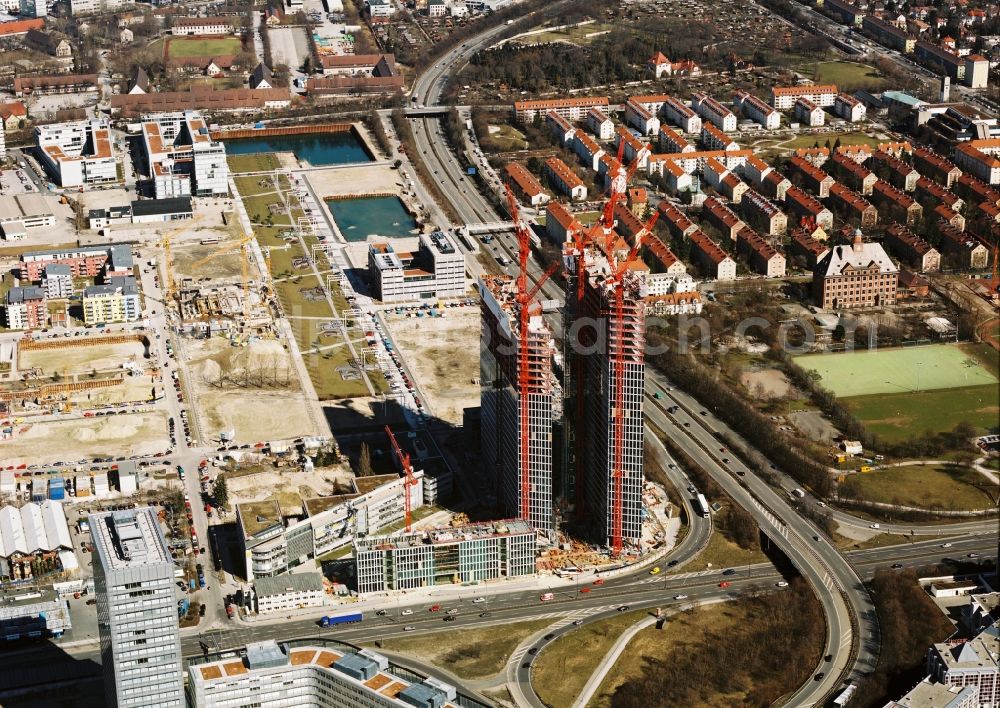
(261, 77)
(139, 83)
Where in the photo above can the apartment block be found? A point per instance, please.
(888, 34)
(814, 179)
(183, 159)
(560, 127)
(849, 13)
(806, 246)
(712, 138)
(587, 150)
(710, 257)
(599, 124)
(692, 162)
(83, 261)
(911, 249)
(673, 277)
(971, 252)
(521, 474)
(672, 141)
(897, 204)
(949, 216)
(761, 256)
(898, 173)
(852, 174)
(815, 156)
(809, 113)
(117, 300)
(762, 213)
(678, 180)
(302, 674)
(635, 150)
(681, 115)
(754, 170)
(564, 179)
(935, 167)
(801, 205)
(928, 694)
(852, 206)
(641, 118)
(757, 110)
(721, 218)
(931, 194)
(975, 662)
(572, 109)
(783, 98)
(978, 158)
(849, 108)
(473, 553)
(724, 180)
(560, 223)
(25, 308)
(79, 154)
(525, 185)
(713, 112)
(436, 270)
(677, 221)
(860, 275)
(136, 610)
(58, 281)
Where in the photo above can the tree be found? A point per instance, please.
(221, 493)
(365, 461)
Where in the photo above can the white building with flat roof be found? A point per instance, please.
(136, 610)
(435, 270)
(78, 154)
(295, 675)
(183, 159)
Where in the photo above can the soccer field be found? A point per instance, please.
(180, 47)
(904, 370)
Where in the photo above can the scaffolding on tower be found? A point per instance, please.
(526, 382)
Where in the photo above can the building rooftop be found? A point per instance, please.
(934, 695)
(446, 535)
(129, 538)
(260, 516)
(288, 582)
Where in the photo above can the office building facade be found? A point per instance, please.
(136, 610)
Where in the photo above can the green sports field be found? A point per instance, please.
(895, 417)
(180, 47)
(905, 370)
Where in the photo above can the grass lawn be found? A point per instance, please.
(251, 185)
(180, 47)
(929, 487)
(721, 552)
(575, 35)
(847, 75)
(327, 381)
(993, 463)
(506, 138)
(561, 671)
(256, 162)
(850, 138)
(906, 369)
(899, 416)
(472, 653)
(877, 541)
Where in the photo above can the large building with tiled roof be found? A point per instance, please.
(784, 97)
(912, 249)
(569, 108)
(564, 179)
(182, 157)
(855, 276)
(979, 158)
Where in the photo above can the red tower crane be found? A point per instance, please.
(410, 481)
(524, 297)
(617, 344)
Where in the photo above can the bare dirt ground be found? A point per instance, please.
(285, 485)
(443, 354)
(216, 261)
(114, 436)
(80, 359)
(132, 389)
(252, 389)
(355, 180)
(772, 382)
(814, 425)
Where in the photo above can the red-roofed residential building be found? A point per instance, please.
(978, 158)
(560, 127)
(809, 113)
(816, 156)
(570, 108)
(775, 185)
(852, 174)
(712, 260)
(564, 179)
(950, 216)
(935, 167)
(852, 206)
(763, 213)
(12, 29)
(970, 251)
(559, 222)
(811, 250)
(528, 189)
(721, 218)
(801, 205)
(816, 180)
(930, 193)
(677, 221)
(898, 204)
(784, 97)
(898, 173)
(587, 149)
(635, 149)
(912, 249)
(672, 141)
(762, 257)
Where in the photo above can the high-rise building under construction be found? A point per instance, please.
(520, 398)
(604, 356)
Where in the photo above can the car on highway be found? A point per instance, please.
(897, 566)
(972, 555)
(623, 608)
(725, 460)
(655, 571)
(672, 563)
(680, 597)
(729, 571)
(577, 623)
(453, 611)
(434, 608)
(585, 588)
(781, 584)
(533, 651)
(449, 618)
(549, 637)
(409, 628)
(946, 545)
(381, 613)
(479, 600)
(404, 613)
(724, 584)
(820, 675)
(599, 581)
